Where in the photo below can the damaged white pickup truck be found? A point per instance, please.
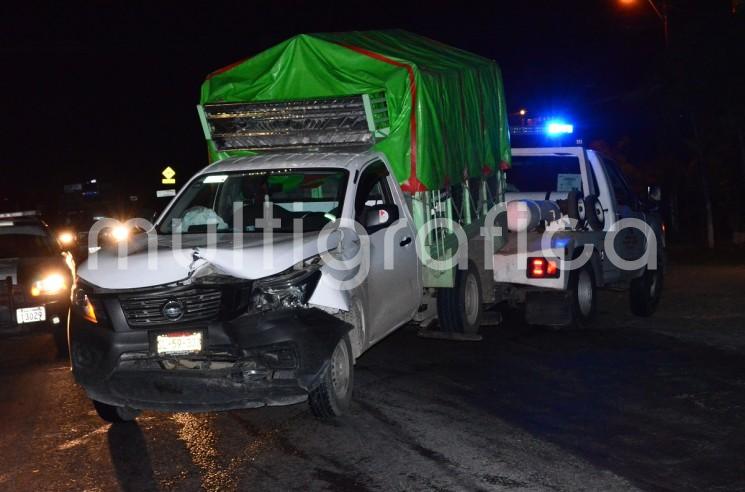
(257, 310)
(333, 212)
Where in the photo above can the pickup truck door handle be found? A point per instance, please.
(405, 241)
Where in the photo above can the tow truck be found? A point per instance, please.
(575, 226)
(381, 146)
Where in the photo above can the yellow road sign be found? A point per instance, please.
(168, 176)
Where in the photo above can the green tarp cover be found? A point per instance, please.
(446, 106)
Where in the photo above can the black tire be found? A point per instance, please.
(646, 291)
(583, 297)
(457, 309)
(113, 414)
(330, 400)
(594, 213)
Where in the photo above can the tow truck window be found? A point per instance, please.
(621, 190)
(544, 173)
(222, 202)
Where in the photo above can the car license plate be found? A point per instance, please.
(31, 315)
(178, 342)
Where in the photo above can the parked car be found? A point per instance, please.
(36, 275)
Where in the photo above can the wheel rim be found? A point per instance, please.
(584, 293)
(340, 370)
(472, 299)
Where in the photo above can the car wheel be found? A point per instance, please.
(646, 291)
(333, 395)
(583, 297)
(460, 308)
(114, 414)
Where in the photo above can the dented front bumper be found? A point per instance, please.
(252, 360)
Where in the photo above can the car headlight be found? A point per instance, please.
(83, 305)
(289, 289)
(49, 285)
(66, 238)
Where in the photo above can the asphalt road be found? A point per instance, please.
(655, 404)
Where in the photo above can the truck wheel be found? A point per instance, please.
(332, 397)
(460, 309)
(114, 414)
(645, 291)
(583, 297)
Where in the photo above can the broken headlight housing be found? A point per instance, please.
(289, 289)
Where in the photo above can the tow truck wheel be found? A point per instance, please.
(114, 414)
(645, 292)
(583, 297)
(332, 397)
(460, 309)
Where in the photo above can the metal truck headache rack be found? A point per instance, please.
(321, 122)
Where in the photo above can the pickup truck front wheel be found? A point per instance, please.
(460, 309)
(332, 397)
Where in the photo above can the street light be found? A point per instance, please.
(661, 13)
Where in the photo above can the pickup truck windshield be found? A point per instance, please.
(544, 173)
(224, 202)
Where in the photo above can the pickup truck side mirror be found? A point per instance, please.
(654, 193)
(379, 217)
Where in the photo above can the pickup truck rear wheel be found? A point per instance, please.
(583, 292)
(114, 414)
(460, 309)
(332, 397)
(645, 291)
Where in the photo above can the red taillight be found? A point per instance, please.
(542, 268)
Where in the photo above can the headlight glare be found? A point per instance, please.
(120, 233)
(49, 285)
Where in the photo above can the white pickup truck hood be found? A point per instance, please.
(168, 263)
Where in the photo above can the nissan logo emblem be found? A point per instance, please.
(173, 310)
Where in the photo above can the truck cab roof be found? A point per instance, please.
(350, 161)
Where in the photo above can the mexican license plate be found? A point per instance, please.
(31, 315)
(179, 342)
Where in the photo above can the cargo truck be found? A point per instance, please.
(325, 148)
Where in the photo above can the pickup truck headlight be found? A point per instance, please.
(289, 289)
(49, 285)
(83, 305)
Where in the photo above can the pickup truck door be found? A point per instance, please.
(393, 291)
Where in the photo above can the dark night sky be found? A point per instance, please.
(101, 89)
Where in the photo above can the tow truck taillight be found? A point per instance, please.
(542, 268)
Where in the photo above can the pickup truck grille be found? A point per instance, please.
(147, 310)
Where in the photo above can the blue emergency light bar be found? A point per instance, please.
(543, 131)
(554, 128)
